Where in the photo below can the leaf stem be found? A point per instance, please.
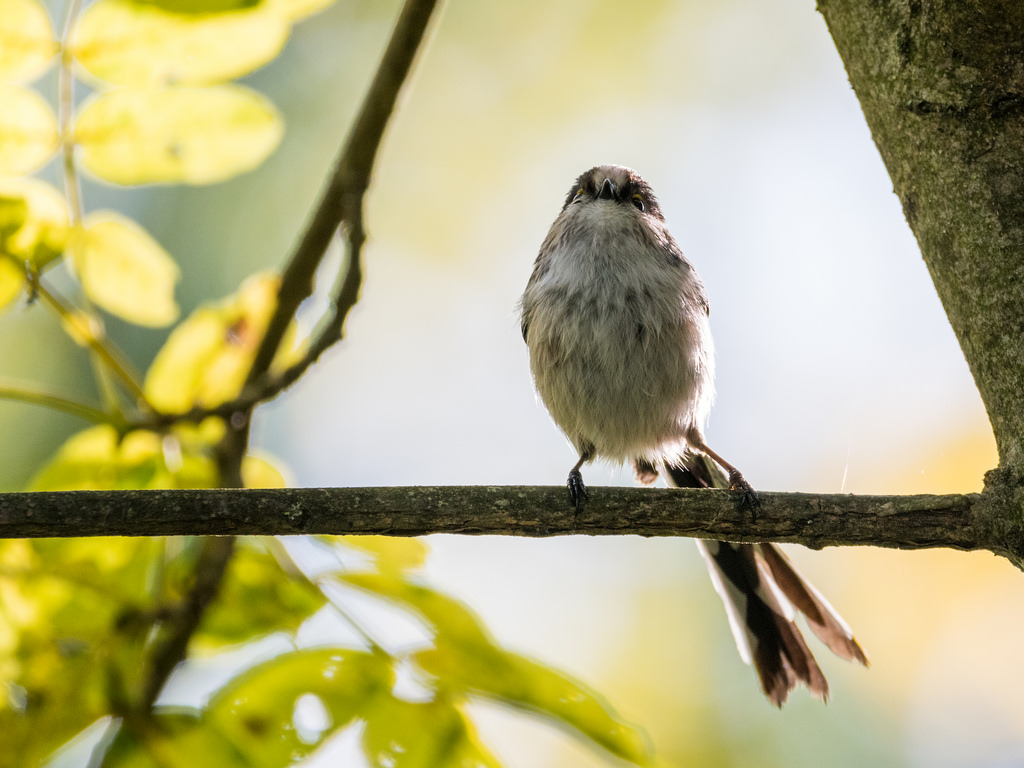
(72, 182)
(56, 402)
(65, 110)
(95, 338)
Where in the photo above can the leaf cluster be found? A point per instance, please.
(81, 618)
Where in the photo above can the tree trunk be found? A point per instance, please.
(941, 83)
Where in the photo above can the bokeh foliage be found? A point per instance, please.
(85, 623)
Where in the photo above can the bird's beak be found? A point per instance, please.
(607, 190)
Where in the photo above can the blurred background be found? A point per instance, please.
(837, 369)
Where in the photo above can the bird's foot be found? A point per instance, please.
(577, 490)
(749, 498)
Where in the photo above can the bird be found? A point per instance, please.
(616, 320)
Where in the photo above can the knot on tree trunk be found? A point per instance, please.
(1000, 512)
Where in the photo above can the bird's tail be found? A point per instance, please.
(763, 592)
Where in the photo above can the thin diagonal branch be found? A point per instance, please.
(341, 200)
(341, 204)
(171, 644)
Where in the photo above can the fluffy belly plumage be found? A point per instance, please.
(612, 382)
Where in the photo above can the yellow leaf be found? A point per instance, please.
(33, 230)
(12, 280)
(126, 272)
(86, 461)
(392, 554)
(42, 233)
(257, 472)
(298, 9)
(139, 446)
(142, 43)
(26, 39)
(207, 357)
(198, 7)
(173, 135)
(98, 459)
(176, 375)
(28, 131)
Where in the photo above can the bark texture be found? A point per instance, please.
(966, 522)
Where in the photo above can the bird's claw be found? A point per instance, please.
(577, 490)
(749, 499)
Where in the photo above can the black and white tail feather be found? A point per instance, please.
(762, 593)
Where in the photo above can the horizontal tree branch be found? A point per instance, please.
(965, 522)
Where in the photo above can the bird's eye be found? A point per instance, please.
(638, 201)
(579, 194)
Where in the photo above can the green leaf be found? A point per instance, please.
(256, 711)
(405, 734)
(13, 211)
(519, 682)
(26, 39)
(126, 272)
(28, 131)
(12, 279)
(173, 135)
(33, 221)
(256, 598)
(132, 43)
(466, 660)
(175, 738)
(449, 618)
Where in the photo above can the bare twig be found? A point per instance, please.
(183, 618)
(341, 201)
(340, 204)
